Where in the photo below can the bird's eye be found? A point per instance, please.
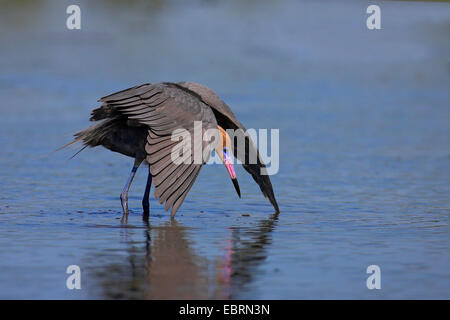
(226, 155)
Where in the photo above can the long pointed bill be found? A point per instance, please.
(230, 168)
(236, 186)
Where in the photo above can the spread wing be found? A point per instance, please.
(170, 114)
(227, 120)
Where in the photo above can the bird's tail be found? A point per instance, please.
(92, 136)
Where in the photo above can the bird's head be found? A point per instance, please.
(225, 152)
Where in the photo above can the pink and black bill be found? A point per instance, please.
(229, 165)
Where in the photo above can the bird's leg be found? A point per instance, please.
(124, 194)
(145, 202)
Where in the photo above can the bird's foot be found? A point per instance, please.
(146, 213)
(124, 219)
(124, 203)
(146, 207)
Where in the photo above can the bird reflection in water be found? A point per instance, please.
(167, 266)
(173, 268)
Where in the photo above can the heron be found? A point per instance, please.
(139, 122)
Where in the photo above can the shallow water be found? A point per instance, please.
(364, 173)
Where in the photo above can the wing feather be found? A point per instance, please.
(183, 195)
(164, 108)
